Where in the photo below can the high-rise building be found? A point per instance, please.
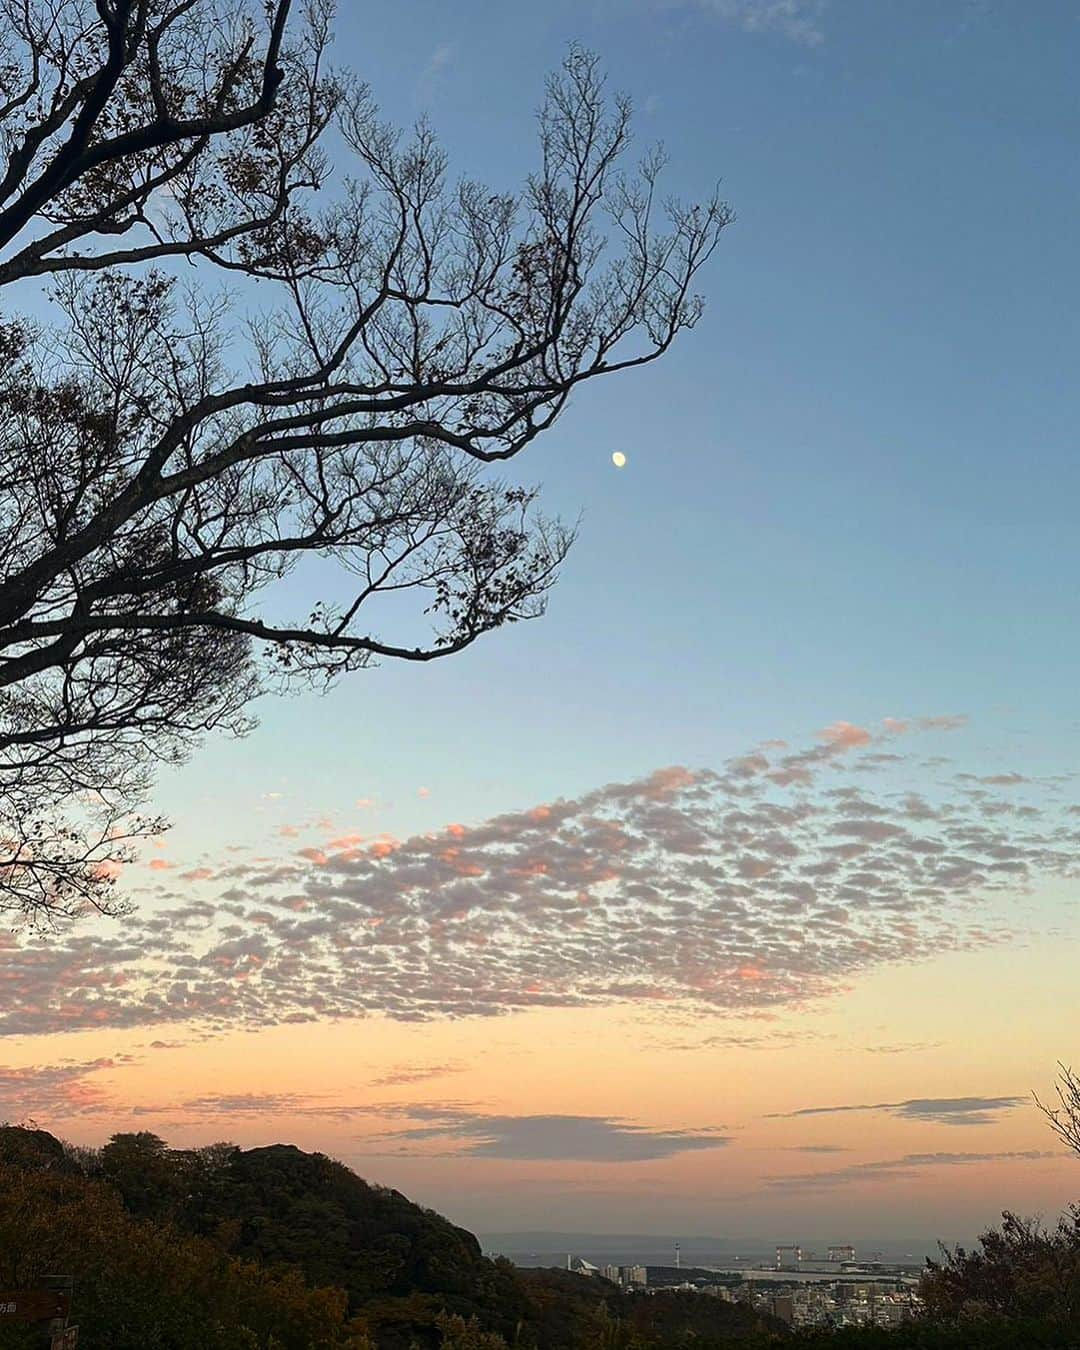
(633, 1277)
(783, 1306)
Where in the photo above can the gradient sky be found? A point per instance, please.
(465, 927)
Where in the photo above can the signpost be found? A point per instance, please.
(49, 1308)
(33, 1305)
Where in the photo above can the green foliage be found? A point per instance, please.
(276, 1249)
(1022, 1270)
(145, 1173)
(142, 1285)
(20, 1338)
(27, 1146)
(401, 1265)
(457, 1334)
(978, 1333)
(280, 1221)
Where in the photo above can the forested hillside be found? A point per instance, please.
(274, 1247)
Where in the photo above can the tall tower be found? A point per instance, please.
(678, 1262)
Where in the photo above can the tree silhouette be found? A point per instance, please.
(280, 336)
(1064, 1118)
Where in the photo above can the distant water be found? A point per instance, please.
(622, 1249)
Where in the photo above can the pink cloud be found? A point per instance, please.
(704, 886)
(669, 780)
(845, 735)
(345, 841)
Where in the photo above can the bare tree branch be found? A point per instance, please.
(1064, 1118)
(170, 448)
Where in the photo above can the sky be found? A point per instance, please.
(737, 894)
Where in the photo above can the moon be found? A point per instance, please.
(618, 459)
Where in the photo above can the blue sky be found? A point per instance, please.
(850, 493)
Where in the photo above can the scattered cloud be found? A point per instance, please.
(937, 1110)
(771, 881)
(55, 1091)
(548, 1137)
(846, 735)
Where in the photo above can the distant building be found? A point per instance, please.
(580, 1266)
(842, 1253)
(783, 1306)
(633, 1277)
(610, 1273)
(721, 1291)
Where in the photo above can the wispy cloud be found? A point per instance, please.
(798, 20)
(938, 1110)
(903, 1047)
(437, 63)
(419, 1073)
(548, 1137)
(817, 1148)
(896, 1169)
(259, 1104)
(749, 1040)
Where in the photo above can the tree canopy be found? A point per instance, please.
(140, 1283)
